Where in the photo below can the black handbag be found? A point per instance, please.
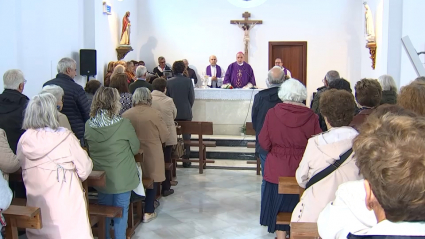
(330, 169)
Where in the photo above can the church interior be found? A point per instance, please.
(219, 182)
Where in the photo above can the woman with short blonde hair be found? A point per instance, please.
(53, 167)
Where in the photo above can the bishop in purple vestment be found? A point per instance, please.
(239, 74)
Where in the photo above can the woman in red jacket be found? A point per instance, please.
(285, 133)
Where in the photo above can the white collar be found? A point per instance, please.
(398, 229)
(213, 66)
(239, 64)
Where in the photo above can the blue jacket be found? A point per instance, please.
(263, 101)
(75, 103)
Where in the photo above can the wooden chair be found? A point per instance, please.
(199, 128)
(250, 131)
(287, 185)
(22, 217)
(304, 230)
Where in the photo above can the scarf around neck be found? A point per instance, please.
(102, 119)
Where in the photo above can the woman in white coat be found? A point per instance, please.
(165, 105)
(389, 153)
(323, 150)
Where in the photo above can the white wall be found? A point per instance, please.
(412, 26)
(197, 29)
(37, 34)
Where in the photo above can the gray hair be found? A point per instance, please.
(331, 76)
(141, 71)
(387, 83)
(142, 96)
(292, 90)
(420, 78)
(66, 63)
(12, 79)
(55, 90)
(276, 76)
(41, 112)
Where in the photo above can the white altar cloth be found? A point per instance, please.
(225, 94)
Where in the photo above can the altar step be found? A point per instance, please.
(228, 147)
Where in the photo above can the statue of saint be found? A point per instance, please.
(369, 24)
(125, 33)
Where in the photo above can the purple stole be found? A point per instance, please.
(218, 71)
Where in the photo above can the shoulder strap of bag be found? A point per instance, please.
(330, 169)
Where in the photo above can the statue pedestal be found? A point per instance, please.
(372, 51)
(123, 50)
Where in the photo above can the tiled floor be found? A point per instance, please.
(216, 204)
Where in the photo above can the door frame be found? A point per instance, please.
(290, 43)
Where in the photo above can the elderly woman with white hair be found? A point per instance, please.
(285, 133)
(112, 144)
(53, 166)
(58, 93)
(389, 90)
(152, 133)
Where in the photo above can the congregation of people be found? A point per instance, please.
(65, 132)
(359, 157)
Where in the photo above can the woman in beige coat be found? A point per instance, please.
(8, 161)
(53, 166)
(323, 150)
(152, 133)
(58, 93)
(165, 105)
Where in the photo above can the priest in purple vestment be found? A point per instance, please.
(213, 71)
(239, 74)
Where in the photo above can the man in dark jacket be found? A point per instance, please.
(12, 106)
(330, 76)
(180, 89)
(159, 70)
(191, 73)
(75, 104)
(263, 101)
(141, 80)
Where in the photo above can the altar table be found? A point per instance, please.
(228, 109)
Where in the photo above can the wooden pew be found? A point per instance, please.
(22, 217)
(250, 131)
(199, 128)
(304, 230)
(287, 185)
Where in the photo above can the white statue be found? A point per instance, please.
(369, 24)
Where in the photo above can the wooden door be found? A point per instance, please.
(293, 55)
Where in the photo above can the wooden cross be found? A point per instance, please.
(246, 25)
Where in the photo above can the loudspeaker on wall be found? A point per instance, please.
(88, 62)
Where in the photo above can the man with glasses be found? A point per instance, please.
(159, 70)
(278, 62)
(75, 103)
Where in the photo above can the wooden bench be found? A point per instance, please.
(250, 131)
(22, 217)
(287, 185)
(199, 128)
(304, 230)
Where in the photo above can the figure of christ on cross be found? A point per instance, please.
(246, 25)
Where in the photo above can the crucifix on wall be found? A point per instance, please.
(246, 25)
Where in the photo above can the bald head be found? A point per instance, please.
(240, 58)
(276, 75)
(213, 60)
